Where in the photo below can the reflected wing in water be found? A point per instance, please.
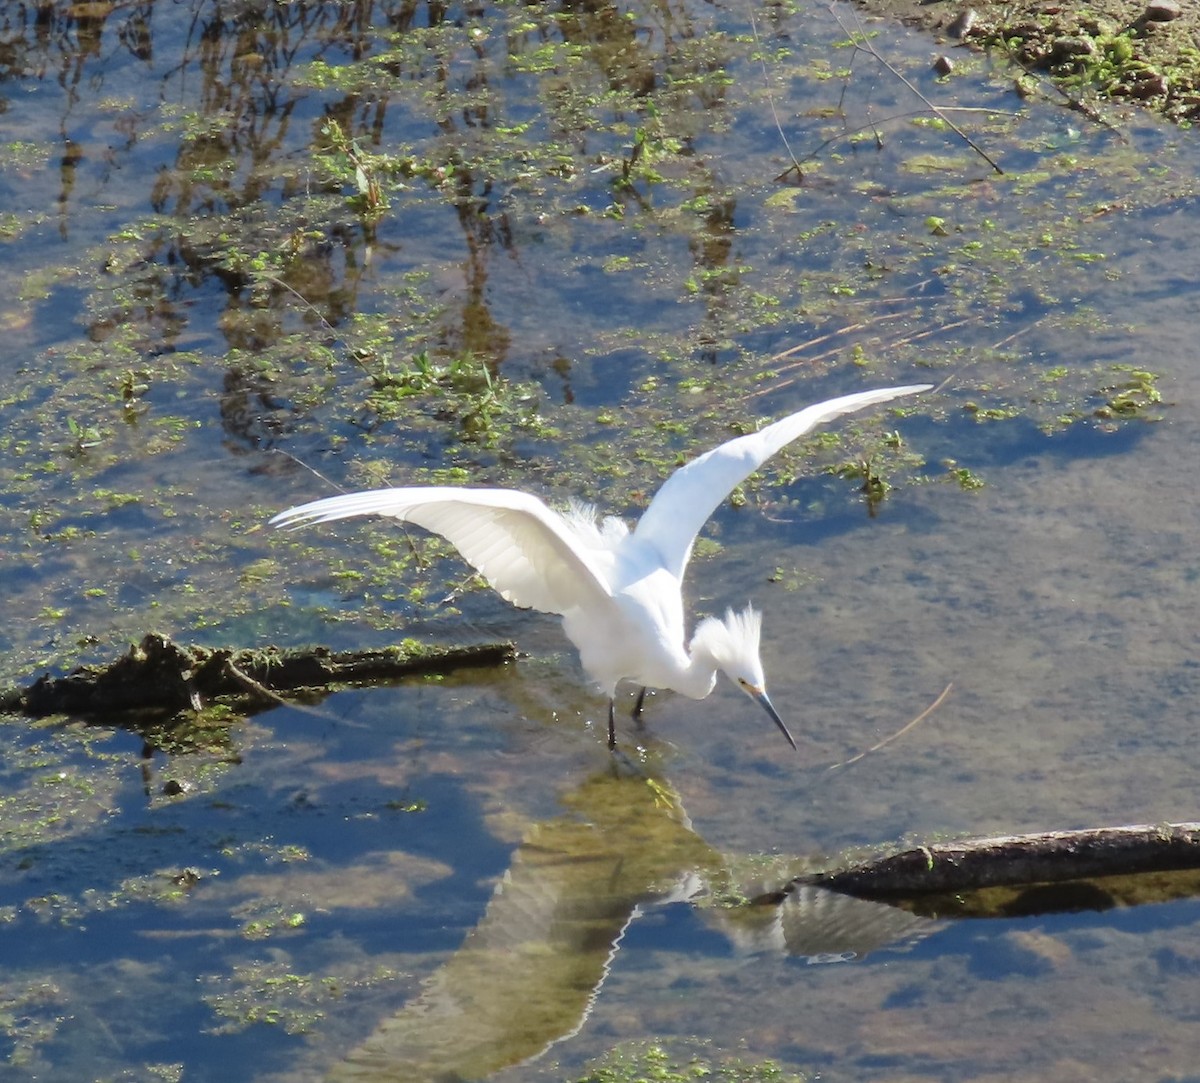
(527, 975)
(821, 926)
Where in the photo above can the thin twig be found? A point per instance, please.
(941, 329)
(812, 360)
(771, 102)
(846, 133)
(275, 280)
(311, 469)
(862, 41)
(899, 733)
(1078, 104)
(256, 688)
(252, 686)
(822, 339)
(875, 343)
(1017, 334)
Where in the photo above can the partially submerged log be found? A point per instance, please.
(160, 675)
(1047, 857)
(1021, 874)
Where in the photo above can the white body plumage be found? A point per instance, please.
(619, 593)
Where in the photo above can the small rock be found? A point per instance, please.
(1149, 84)
(1162, 11)
(1068, 48)
(1096, 28)
(189, 878)
(1069, 52)
(943, 65)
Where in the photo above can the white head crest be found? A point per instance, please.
(733, 644)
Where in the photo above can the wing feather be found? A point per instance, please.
(526, 551)
(690, 495)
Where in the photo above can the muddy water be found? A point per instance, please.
(452, 876)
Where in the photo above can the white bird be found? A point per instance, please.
(619, 593)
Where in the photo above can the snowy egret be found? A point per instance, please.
(619, 593)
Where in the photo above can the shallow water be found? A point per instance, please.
(452, 875)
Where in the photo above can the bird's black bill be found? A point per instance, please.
(769, 708)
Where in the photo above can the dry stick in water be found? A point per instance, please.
(941, 329)
(846, 133)
(861, 41)
(906, 340)
(1017, 334)
(807, 362)
(899, 733)
(771, 102)
(820, 340)
(311, 469)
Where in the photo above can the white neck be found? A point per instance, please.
(698, 677)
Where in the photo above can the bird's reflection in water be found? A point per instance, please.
(527, 975)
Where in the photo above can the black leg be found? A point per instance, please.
(637, 707)
(612, 726)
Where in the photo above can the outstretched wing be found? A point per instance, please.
(526, 551)
(690, 495)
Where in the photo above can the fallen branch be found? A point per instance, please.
(160, 675)
(941, 877)
(862, 41)
(899, 733)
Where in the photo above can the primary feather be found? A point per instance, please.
(690, 495)
(529, 553)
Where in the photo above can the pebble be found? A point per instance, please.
(1071, 48)
(1149, 84)
(1162, 11)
